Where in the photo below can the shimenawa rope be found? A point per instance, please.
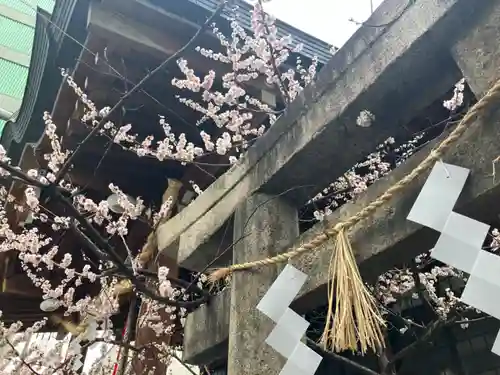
(356, 322)
(474, 113)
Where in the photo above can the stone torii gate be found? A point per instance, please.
(406, 56)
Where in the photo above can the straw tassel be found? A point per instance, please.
(218, 274)
(355, 324)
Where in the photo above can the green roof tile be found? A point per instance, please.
(28, 6)
(19, 37)
(12, 78)
(16, 36)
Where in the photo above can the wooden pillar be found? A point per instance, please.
(265, 225)
(477, 54)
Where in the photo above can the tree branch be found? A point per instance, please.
(21, 175)
(97, 244)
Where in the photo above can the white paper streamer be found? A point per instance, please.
(461, 239)
(460, 242)
(286, 337)
(438, 196)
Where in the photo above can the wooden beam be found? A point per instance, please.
(124, 32)
(139, 26)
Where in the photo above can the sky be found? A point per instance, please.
(327, 20)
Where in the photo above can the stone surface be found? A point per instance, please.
(380, 69)
(478, 53)
(265, 224)
(216, 251)
(207, 330)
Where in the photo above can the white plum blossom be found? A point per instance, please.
(458, 96)
(365, 119)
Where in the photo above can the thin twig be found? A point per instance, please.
(244, 235)
(129, 252)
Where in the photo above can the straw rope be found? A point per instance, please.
(477, 111)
